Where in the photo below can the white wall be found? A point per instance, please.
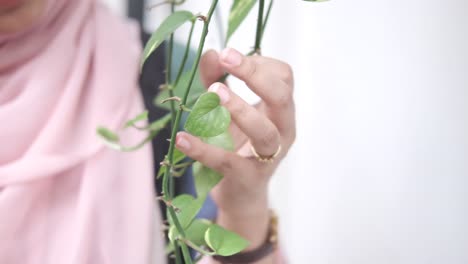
(383, 146)
(379, 170)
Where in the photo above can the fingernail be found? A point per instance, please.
(231, 57)
(222, 92)
(182, 143)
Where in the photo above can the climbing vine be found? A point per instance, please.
(207, 119)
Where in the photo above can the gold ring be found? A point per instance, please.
(265, 159)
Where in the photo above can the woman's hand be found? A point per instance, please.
(242, 194)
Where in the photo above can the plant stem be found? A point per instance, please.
(171, 91)
(200, 48)
(169, 58)
(139, 145)
(169, 181)
(258, 38)
(175, 220)
(177, 252)
(261, 25)
(184, 101)
(169, 70)
(270, 6)
(170, 155)
(186, 254)
(186, 53)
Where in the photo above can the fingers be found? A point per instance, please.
(270, 79)
(210, 69)
(211, 156)
(263, 134)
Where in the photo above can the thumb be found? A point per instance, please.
(210, 68)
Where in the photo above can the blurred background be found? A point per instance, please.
(379, 171)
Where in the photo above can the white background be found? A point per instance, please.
(379, 170)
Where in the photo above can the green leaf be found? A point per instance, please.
(109, 138)
(168, 26)
(239, 11)
(173, 233)
(195, 232)
(187, 208)
(208, 118)
(107, 135)
(224, 242)
(205, 179)
(140, 117)
(178, 157)
(195, 91)
(112, 140)
(223, 141)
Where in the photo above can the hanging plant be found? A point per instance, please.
(207, 119)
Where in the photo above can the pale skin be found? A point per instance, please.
(242, 196)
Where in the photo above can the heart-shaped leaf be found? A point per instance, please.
(239, 11)
(205, 179)
(187, 208)
(223, 141)
(208, 118)
(224, 242)
(168, 26)
(195, 232)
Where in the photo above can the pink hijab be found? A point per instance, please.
(64, 196)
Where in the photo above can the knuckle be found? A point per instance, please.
(198, 153)
(287, 73)
(225, 164)
(251, 69)
(238, 109)
(270, 137)
(284, 99)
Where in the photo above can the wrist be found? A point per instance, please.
(251, 221)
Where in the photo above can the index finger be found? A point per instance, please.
(270, 79)
(210, 70)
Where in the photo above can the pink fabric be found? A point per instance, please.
(64, 196)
